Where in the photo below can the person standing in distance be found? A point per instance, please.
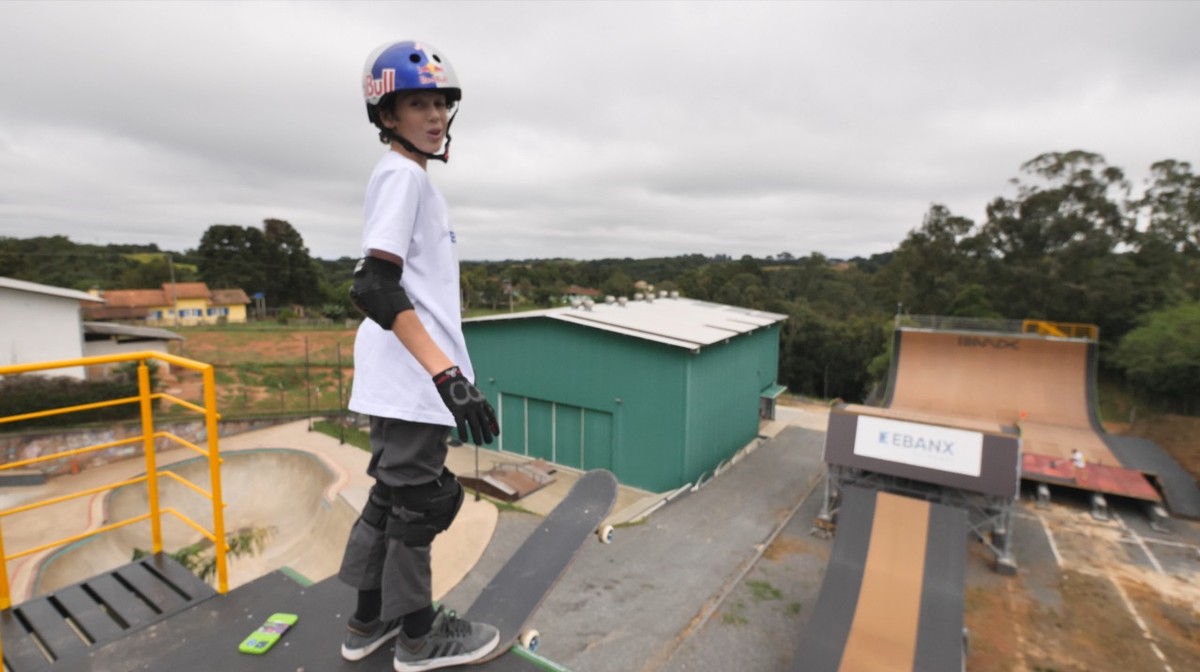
(412, 373)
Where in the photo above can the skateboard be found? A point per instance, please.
(511, 598)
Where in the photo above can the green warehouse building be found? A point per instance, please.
(659, 391)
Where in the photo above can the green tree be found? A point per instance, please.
(231, 256)
(1169, 211)
(1045, 245)
(294, 278)
(1162, 357)
(933, 264)
(618, 284)
(273, 260)
(154, 272)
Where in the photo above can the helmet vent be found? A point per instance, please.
(414, 58)
(437, 58)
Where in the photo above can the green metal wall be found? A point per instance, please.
(565, 392)
(724, 383)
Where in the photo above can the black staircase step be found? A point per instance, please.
(45, 632)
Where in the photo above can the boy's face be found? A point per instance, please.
(419, 117)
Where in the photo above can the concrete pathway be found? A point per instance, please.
(630, 605)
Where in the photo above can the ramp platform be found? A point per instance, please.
(205, 636)
(892, 597)
(48, 632)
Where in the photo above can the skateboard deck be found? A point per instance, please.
(511, 598)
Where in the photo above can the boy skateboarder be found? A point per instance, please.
(413, 376)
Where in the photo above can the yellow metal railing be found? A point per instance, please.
(148, 438)
(1061, 329)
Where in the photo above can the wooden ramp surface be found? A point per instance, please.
(1046, 387)
(892, 596)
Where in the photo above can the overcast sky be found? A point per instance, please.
(587, 130)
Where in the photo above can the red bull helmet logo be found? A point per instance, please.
(376, 88)
(432, 73)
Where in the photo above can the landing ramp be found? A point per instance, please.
(892, 597)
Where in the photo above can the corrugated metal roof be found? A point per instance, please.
(685, 323)
(110, 329)
(25, 286)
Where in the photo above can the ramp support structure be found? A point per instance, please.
(990, 517)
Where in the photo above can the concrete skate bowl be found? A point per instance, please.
(279, 490)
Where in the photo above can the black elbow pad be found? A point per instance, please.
(377, 292)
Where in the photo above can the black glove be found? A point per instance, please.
(468, 406)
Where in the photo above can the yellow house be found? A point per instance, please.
(175, 304)
(230, 304)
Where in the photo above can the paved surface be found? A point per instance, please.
(632, 604)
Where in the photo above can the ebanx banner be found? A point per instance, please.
(931, 447)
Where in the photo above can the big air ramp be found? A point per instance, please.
(1046, 387)
(892, 596)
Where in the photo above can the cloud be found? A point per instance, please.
(587, 130)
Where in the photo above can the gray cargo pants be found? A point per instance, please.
(402, 454)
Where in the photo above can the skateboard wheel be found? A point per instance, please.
(529, 640)
(606, 534)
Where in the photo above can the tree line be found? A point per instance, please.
(1076, 242)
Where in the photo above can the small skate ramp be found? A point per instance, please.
(892, 597)
(1046, 388)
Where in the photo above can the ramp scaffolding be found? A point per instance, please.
(976, 470)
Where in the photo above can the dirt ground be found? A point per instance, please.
(237, 346)
(268, 371)
(1108, 597)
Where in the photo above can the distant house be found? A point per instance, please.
(107, 338)
(577, 293)
(175, 304)
(41, 323)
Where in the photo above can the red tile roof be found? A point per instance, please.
(229, 297)
(134, 297)
(187, 290)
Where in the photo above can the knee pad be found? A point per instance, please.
(378, 507)
(421, 512)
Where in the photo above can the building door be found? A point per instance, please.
(571, 436)
(597, 440)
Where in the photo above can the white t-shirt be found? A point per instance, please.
(406, 215)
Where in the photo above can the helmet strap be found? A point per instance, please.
(444, 157)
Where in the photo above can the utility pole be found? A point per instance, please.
(341, 414)
(174, 300)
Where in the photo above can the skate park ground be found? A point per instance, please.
(725, 577)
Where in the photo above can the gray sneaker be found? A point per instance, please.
(363, 638)
(451, 641)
